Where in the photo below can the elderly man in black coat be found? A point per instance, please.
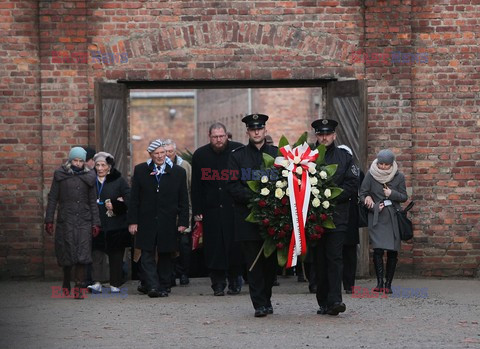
(212, 205)
(158, 212)
(244, 160)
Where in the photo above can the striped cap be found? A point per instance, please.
(155, 144)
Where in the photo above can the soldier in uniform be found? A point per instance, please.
(244, 160)
(214, 207)
(327, 253)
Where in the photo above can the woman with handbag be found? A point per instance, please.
(382, 191)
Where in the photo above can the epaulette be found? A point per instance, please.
(240, 147)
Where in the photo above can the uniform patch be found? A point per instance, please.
(356, 170)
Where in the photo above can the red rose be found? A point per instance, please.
(281, 234)
(266, 222)
(312, 218)
(284, 200)
(280, 245)
(319, 229)
(287, 227)
(277, 211)
(324, 217)
(271, 231)
(262, 203)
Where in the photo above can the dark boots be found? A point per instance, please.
(66, 280)
(378, 263)
(80, 287)
(391, 266)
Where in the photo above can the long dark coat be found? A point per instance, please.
(211, 199)
(248, 158)
(77, 213)
(158, 214)
(114, 229)
(384, 234)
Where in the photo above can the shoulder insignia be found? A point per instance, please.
(240, 147)
(355, 170)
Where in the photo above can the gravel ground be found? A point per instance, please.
(191, 317)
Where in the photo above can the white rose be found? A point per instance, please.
(264, 179)
(325, 204)
(315, 202)
(323, 175)
(284, 184)
(279, 184)
(299, 170)
(285, 173)
(287, 192)
(279, 193)
(312, 170)
(296, 159)
(313, 180)
(265, 191)
(285, 163)
(315, 191)
(327, 193)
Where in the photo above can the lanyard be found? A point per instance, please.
(99, 191)
(158, 177)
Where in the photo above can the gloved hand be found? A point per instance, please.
(95, 231)
(49, 228)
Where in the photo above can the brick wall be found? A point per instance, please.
(427, 112)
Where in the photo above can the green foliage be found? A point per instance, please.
(268, 160)
(302, 139)
(186, 155)
(254, 186)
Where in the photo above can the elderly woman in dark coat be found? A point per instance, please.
(73, 190)
(113, 194)
(382, 191)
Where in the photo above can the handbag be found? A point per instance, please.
(362, 215)
(405, 226)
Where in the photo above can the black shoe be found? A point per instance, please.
(312, 288)
(348, 291)
(269, 309)
(218, 292)
(322, 310)
(169, 289)
(336, 308)
(153, 293)
(261, 312)
(233, 291)
(163, 294)
(184, 280)
(142, 289)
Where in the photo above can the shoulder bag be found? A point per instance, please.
(405, 225)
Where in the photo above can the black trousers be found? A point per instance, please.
(182, 262)
(156, 275)
(115, 258)
(219, 277)
(260, 279)
(349, 266)
(328, 266)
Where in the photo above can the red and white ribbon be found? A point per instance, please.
(300, 189)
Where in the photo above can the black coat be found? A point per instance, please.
(248, 158)
(346, 177)
(158, 213)
(211, 199)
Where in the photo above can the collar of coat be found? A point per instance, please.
(168, 166)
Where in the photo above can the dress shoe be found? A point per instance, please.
(163, 294)
(348, 291)
(184, 280)
(233, 290)
(169, 289)
(322, 310)
(336, 308)
(114, 289)
(269, 309)
(218, 292)
(95, 288)
(261, 312)
(142, 289)
(153, 293)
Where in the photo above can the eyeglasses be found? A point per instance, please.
(218, 137)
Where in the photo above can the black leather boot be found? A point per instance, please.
(378, 263)
(80, 287)
(66, 280)
(391, 266)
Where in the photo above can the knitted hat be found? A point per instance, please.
(77, 152)
(155, 144)
(90, 153)
(386, 156)
(104, 156)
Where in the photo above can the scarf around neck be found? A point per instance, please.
(383, 176)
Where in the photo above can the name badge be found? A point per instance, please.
(387, 203)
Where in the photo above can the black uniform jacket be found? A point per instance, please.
(211, 199)
(244, 160)
(158, 213)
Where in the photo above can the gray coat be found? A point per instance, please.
(77, 213)
(384, 234)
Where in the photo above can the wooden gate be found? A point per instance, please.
(347, 103)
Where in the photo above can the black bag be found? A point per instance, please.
(362, 215)
(405, 225)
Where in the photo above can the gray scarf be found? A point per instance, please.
(383, 176)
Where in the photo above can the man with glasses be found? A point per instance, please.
(212, 205)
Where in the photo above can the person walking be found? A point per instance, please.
(72, 195)
(382, 191)
(247, 159)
